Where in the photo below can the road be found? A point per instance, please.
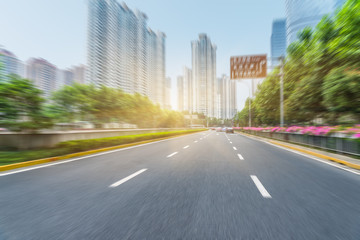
(206, 185)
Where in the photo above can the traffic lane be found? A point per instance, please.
(56, 194)
(207, 194)
(320, 198)
(148, 206)
(108, 164)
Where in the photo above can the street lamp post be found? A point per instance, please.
(281, 92)
(249, 87)
(281, 75)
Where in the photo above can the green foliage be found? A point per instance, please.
(341, 90)
(321, 74)
(10, 157)
(82, 145)
(104, 105)
(21, 105)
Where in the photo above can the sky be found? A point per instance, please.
(56, 30)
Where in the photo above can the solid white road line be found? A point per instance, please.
(234, 148)
(116, 184)
(230, 142)
(314, 158)
(172, 154)
(186, 147)
(195, 141)
(241, 157)
(260, 187)
(88, 156)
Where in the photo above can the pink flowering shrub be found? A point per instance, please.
(311, 130)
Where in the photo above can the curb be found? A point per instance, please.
(78, 154)
(352, 165)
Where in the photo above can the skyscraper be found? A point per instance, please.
(185, 91)
(167, 101)
(204, 76)
(10, 64)
(156, 67)
(278, 40)
(180, 93)
(79, 73)
(123, 52)
(306, 13)
(43, 74)
(227, 97)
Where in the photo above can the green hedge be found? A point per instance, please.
(10, 157)
(83, 145)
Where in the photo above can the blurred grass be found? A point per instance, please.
(11, 157)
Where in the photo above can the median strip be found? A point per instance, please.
(82, 153)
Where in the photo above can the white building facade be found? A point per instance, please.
(43, 74)
(204, 85)
(123, 52)
(227, 97)
(10, 64)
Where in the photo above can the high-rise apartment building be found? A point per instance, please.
(307, 13)
(204, 76)
(10, 64)
(123, 52)
(43, 74)
(278, 40)
(167, 102)
(156, 67)
(79, 73)
(180, 93)
(227, 97)
(185, 91)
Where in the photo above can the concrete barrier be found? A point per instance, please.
(26, 141)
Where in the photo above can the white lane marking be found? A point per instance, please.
(314, 158)
(241, 157)
(234, 148)
(304, 155)
(116, 184)
(172, 154)
(88, 156)
(195, 141)
(260, 187)
(186, 147)
(230, 142)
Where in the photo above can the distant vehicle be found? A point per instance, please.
(229, 130)
(218, 129)
(223, 129)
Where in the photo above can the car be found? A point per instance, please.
(218, 129)
(229, 130)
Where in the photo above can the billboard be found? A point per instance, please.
(253, 66)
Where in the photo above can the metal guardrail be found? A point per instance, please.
(341, 145)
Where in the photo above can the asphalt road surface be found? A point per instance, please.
(206, 185)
